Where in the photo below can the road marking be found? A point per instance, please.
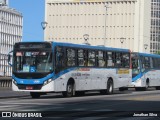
(79, 109)
(103, 110)
(23, 103)
(142, 98)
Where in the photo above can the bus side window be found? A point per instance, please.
(101, 59)
(110, 59)
(60, 62)
(91, 58)
(146, 62)
(118, 60)
(71, 60)
(151, 62)
(81, 58)
(143, 63)
(156, 63)
(125, 60)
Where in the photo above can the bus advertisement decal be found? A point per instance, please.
(122, 71)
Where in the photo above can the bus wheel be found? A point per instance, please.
(69, 91)
(35, 95)
(147, 85)
(109, 87)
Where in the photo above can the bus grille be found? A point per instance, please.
(35, 87)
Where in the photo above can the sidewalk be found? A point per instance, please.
(8, 93)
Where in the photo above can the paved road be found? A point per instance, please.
(91, 106)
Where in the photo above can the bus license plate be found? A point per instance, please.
(29, 87)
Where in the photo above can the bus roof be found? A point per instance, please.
(84, 46)
(148, 54)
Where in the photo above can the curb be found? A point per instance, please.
(6, 97)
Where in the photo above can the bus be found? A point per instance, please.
(145, 71)
(73, 69)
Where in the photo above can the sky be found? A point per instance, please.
(33, 14)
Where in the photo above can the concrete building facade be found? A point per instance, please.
(155, 26)
(113, 23)
(11, 23)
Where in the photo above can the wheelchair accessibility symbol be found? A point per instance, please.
(32, 69)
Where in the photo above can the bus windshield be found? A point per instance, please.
(32, 61)
(135, 65)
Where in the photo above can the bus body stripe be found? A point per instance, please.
(53, 76)
(32, 81)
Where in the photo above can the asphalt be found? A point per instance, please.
(8, 93)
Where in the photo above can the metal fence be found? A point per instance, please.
(5, 82)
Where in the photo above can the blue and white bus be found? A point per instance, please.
(145, 71)
(42, 67)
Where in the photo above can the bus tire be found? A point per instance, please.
(143, 88)
(147, 85)
(110, 87)
(70, 90)
(35, 95)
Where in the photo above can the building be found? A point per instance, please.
(155, 26)
(113, 23)
(10, 32)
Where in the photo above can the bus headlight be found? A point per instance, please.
(48, 81)
(14, 82)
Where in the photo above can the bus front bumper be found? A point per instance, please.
(34, 88)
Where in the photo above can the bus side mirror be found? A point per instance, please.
(9, 58)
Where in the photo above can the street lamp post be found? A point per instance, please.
(122, 41)
(106, 8)
(86, 38)
(44, 25)
(145, 47)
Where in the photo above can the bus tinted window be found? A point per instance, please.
(125, 60)
(60, 60)
(71, 61)
(33, 61)
(154, 62)
(158, 62)
(145, 62)
(101, 60)
(110, 59)
(151, 62)
(118, 60)
(135, 65)
(91, 58)
(81, 59)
